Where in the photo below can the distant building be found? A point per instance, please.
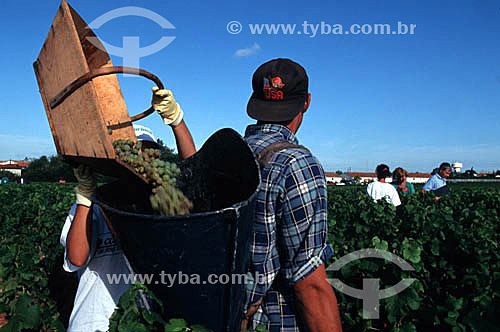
(457, 167)
(418, 177)
(14, 166)
(333, 178)
(369, 177)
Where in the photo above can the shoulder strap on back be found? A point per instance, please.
(265, 156)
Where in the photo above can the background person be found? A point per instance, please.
(400, 183)
(289, 247)
(90, 248)
(437, 182)
(380, 189)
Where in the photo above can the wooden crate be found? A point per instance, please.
(81, 124)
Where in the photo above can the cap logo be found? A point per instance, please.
(277, 83)
(271, 91)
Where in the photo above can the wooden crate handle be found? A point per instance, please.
(85, 78)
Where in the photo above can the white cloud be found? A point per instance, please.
(248, 51)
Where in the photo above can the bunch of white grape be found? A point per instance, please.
(165, 198)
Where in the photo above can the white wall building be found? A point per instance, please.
(457, 167)
(333, 178)
(13, 166)
(369, 177)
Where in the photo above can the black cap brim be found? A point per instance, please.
(264, 110)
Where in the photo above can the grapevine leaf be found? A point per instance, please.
(28, 315)
(152, 317)
(132, 327)
(12, 326)
(408, 327)
(411, 250)
(175, 325)
(261, 328)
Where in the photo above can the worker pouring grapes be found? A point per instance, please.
(90, 248)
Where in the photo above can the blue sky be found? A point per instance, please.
(405, 100)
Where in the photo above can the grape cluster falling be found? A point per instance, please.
(166, 199)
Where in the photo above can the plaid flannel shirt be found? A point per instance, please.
(290, 232)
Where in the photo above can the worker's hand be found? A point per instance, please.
(164, 103)
(86, 185)
(249, 315)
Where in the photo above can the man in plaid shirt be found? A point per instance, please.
(289, 290)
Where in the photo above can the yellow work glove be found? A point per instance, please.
(164, 103)
(86, 185)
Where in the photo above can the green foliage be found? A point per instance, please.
(31, 219)
(452, 243)
(166, 153)
(26, 315)
(50, 169)
(9, 175)
(131, 315)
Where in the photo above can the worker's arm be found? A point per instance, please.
(306, 203)
(172, 114)
(184, 141)
(77, 241)
(252, 309)
(317, 304)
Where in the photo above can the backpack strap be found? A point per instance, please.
(265, 156)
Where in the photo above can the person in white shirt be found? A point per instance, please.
(380, 189)
(89, 246)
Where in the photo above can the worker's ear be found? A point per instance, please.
(307, 103)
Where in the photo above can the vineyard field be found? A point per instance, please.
(452, 243)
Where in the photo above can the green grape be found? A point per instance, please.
(165, 198)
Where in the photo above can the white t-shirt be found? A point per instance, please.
(378, 190)
(97, 295)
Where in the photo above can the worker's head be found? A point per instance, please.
(146, 137)
(444, 170)
(280, 93)
(382, 171)
(399, 175)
